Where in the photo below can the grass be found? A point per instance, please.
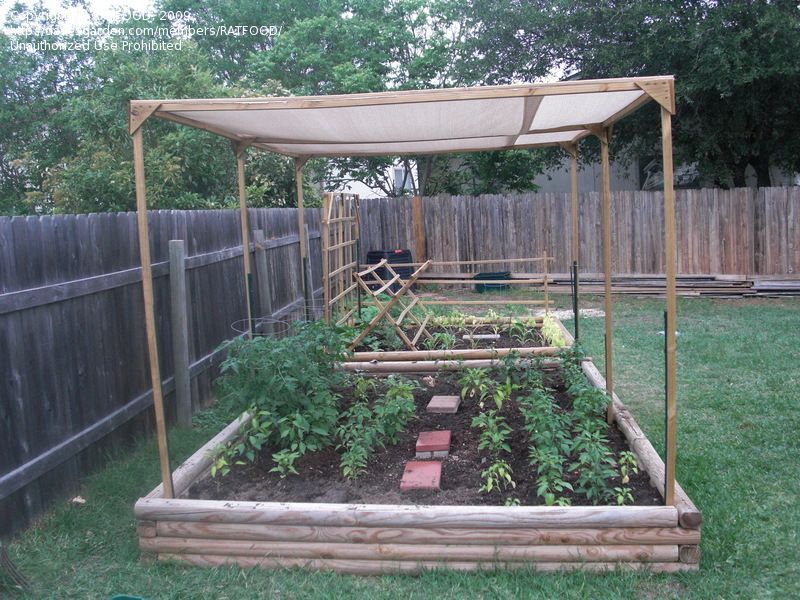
(739, 373)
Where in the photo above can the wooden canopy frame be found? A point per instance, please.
(661, 89)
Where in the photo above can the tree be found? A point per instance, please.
(736, 68)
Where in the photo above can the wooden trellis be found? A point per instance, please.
(340, 235)
(403, 297)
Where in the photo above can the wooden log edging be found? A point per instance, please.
(421, 366)
(688, 514)
(403, 515)
(198, 463)
(460, 354)
(370, 539)
(488, 536)
(383, 567)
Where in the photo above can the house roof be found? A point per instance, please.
(418, 121)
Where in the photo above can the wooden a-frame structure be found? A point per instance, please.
(425, 122)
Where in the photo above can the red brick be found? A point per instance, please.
(433, 441)
(421, 475)
(444, 404)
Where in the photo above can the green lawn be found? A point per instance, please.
(739, 376)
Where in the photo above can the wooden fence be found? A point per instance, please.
(73, 364)
(741, 231)
(74, 379)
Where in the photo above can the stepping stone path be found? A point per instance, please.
(444, 404)
(427, 474)
(433, 444)
(421, 475)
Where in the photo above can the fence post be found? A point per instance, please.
(420, 243)
(309, 275)
(262, 275)
(180, 331)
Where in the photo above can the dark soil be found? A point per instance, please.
(395, 343)
(320, 479)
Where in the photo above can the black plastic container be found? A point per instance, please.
(393, 257)
(491, 287)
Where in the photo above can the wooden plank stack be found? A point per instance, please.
(716, 286)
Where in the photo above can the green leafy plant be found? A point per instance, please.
(395, 408)
(497, 476)
(357, 436)
(441, 339)
(494, 432)
(475, 384)
(627, 465)
(231, 453)
(622, 495)
(552, 333)
(524, 332)
(286, 384)
(363, 428)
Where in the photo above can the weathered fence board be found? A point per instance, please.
(739, 232)
(74, 382)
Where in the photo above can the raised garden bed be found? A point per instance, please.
(369, 526)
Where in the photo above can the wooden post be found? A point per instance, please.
(180, 332)
(309, 278)
(149, 313)
(546, 270)
(301, 221)
(248, 273)
(420, 243)
(326, 269)
(606, 218)
(670, 256)
(262, 276)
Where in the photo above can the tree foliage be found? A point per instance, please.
(735, 63)
(64, 144)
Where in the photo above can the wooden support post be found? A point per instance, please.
(180, 332)
(606, 219)
(420, 243)
(149, 313)
(326, 261)
(546, 270)
(309, 278)
(670, 257)
(301, 222)
(248, 273)
(262, 277)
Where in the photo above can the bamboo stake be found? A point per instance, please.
(245, 223)
(670, 256)
(606, 176)
(149, 313)
(573, 169)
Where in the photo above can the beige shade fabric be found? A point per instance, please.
(419, 121)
